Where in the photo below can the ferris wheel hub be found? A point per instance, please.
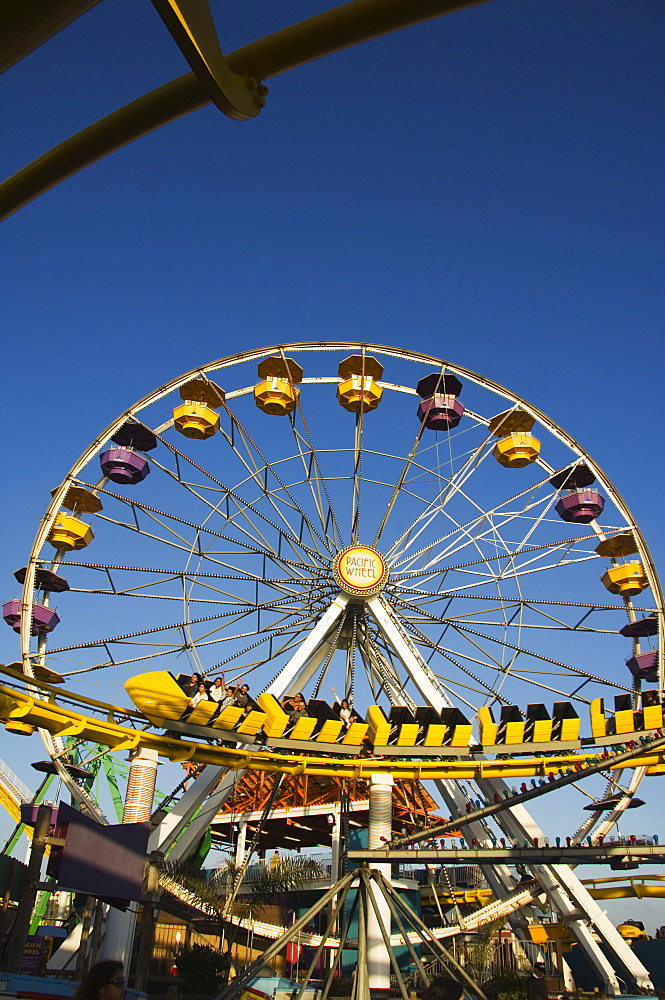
(360, 571)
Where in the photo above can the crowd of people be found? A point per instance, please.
(296, 708)
(217, 691)
(199, 689)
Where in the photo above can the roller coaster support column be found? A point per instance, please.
(138, 808)
(241, 843)
(379, 833)
(335, 833)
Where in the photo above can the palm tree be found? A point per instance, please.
(225, 895)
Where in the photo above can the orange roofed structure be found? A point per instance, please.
(306, 809)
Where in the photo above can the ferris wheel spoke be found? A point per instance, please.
(452, 656)
(288, 565)
(566, 544)
(487, 525)
(118, 590)
(468, 531)
(400, 482)
(261, 474)
(337, 540)
(453, 485)
(408, 465)
(467, 633)
(483, 579)
(155, 515)
(457, 693)
(277, 582)
(242, 506)
(292, 642)
(225, 619)
(233, 601)
(317, 487)
(192, 579)
(317, 484)
(246, 527)
(460, 538)
(378, 666)
(504, 669)
(182, 646)
(324, 625)
(302, 627)
(431, 596)
(357, 469)
(402, 647)
(423, 619)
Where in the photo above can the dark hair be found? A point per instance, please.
(98, 976)
(443, 988)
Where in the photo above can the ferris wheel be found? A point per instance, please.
(462, 550)
(373, 520)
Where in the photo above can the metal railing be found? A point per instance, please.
(14, 784)
(459, 876)
(324, 859)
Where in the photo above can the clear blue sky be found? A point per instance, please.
(486, 187)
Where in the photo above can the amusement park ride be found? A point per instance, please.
(313, 514)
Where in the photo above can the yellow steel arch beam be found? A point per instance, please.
(27, 24)
(284, 50)
(48, 714)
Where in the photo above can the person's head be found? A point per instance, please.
(229, 689)
(344, 703)
(194, 677)
(443, 988)
(244, 689)
(202, 687)
(218, 682)
(104, 981)
(539, 969)
(299, 698)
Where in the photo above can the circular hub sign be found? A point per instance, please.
(361, 571)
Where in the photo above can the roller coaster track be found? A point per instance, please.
(619, 887)
(43, 710)
(497, 909)
(13, 792)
